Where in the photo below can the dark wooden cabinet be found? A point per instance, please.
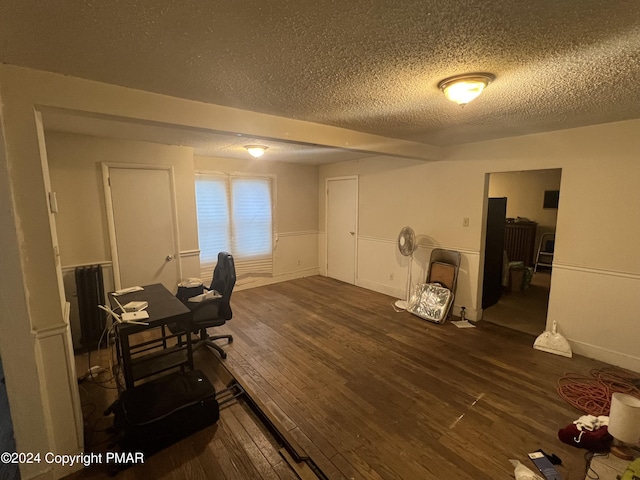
(519, 242)
(492, 280)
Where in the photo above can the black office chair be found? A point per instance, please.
(214, 312)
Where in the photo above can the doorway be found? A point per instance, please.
(142, 219)
(524, 294)
(341, 228)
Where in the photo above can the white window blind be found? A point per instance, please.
(235, 215)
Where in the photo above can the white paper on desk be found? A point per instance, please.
(205, 296)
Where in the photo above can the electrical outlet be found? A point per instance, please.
(391, 276)
(465, 222)
(299, 262)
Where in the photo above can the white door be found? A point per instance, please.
(143, 226)
(342, 220)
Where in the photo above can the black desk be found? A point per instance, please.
(150, 357)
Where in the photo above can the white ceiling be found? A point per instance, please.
(363, 65)
(204, 143)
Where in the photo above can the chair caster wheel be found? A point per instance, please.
(231, 340)
(223, 355)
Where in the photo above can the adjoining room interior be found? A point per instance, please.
(524, 297)
(132, 138)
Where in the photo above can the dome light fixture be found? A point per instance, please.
(256, 150)
(461, 89)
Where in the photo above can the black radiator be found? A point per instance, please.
(90, 290)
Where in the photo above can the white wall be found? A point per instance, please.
(525, 196)
(75, 169)
(76, 177)
(596, 274)
(525, 193)
(75, 165)
(394, 193)
(596, 242)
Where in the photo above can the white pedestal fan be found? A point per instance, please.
(407, 245)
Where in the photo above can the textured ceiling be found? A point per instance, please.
(365, 65)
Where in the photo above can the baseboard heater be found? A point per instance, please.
(90, 291)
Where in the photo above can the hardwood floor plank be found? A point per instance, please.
(369, 393)
(378, 393)
(257, 432)
(302, 469)
(252, 451)
(239, 446)
(354, 467)
(318, 455)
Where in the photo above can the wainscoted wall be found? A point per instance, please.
(383, 269)
(593, 328)
(57, 372)
(295, 252)
(295, 256)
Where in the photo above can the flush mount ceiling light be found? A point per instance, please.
(461, 89)
(256, 150)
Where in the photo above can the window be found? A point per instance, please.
(235, 214)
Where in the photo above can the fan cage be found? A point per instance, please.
(407, 241)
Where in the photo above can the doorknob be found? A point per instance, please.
(169, 258)
(352, 233)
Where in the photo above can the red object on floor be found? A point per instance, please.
(598, 440)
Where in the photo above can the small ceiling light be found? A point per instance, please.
(256, 150)
(461, 89)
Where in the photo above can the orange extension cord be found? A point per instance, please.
(592, 393)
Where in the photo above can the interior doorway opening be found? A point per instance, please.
(528, 242)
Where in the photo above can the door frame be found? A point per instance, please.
(485, 206)
(106, 166)
(326, 223)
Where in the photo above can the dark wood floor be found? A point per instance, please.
(364, 392)
(238, 447)
(526, 310)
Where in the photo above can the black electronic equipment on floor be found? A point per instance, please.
(155, 414)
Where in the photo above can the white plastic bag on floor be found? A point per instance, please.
(523, 473)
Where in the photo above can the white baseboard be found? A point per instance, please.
(283, 277)
(381, 288)
(604, 355)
